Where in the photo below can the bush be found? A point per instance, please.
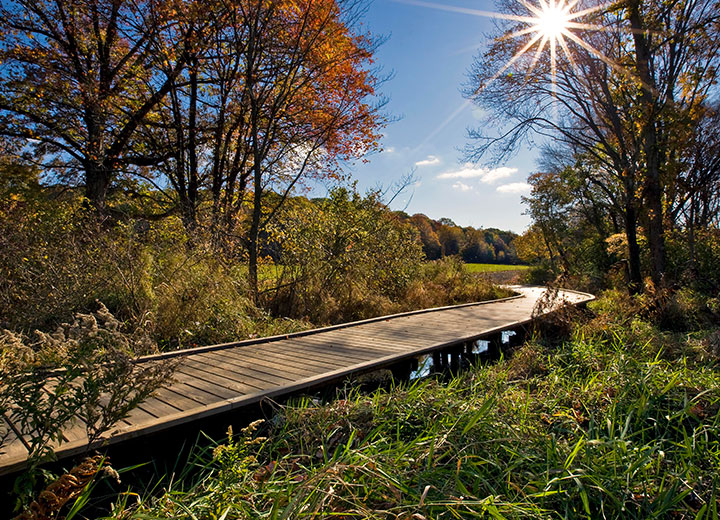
(347, 258)
(343, 258)
(57, 260)
(700, 271)
(447, 282)
(82, 371)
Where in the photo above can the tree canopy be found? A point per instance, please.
(208, 104)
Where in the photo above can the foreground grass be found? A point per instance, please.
(619, 421)
(493, 268)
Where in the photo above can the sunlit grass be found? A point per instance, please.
(493, 268)
(271, 272)
(615, 422)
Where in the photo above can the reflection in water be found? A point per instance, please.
(424, 368)
(425, 363)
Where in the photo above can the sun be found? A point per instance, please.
(546, 25)
(551, 24)
(553, 21)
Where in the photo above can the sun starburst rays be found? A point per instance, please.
(555, 21)
(549, 25)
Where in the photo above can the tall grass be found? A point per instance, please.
(620, 420)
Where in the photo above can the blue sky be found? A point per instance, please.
(429, 51)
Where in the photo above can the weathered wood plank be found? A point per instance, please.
(341, 356)
(176, 396)
(273, 364)
(190, 386)
(297, 356)
(341, 351)
(217, 385)
(248, 377)
(369, 340)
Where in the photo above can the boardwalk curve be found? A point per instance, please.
(219, 378)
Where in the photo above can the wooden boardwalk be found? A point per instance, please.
(219, 378)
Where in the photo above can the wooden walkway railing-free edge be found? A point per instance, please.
(215, 379)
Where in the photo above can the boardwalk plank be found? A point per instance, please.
(337, 354)
(369, 340)
(249, 376)
(301, 359)
(175, 396)
(189, 386)
(158, 408)
(344, 352)
(12, 448)
(273, 364)
(213, 384)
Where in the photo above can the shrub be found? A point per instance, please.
(447, 282)
(343, 258)
(84, 371)
(57, 260)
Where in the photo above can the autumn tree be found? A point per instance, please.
(450, 236)
(624, 99)
(202, 125)
(475, 249)
(428, 237)
(308, 83)
(78, 78)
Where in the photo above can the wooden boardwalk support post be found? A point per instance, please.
(438, 361)
(494, 346)
(401, 371)
(455, 358)
(518, 338)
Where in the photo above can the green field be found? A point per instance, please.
(493, 268)
(272, 271)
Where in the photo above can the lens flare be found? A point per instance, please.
(549, 23)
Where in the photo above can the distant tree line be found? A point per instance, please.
(442, 238)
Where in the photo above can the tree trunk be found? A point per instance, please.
(691, 239)
(652, 192)
(97, 183)
(254, 234)
(634, 272)
(653, 198)
(193, 174)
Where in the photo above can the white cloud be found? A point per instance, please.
(431, 160)
(389, 150)
(486, 175)
(498, 173)
(515, 187)
(462, 187)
